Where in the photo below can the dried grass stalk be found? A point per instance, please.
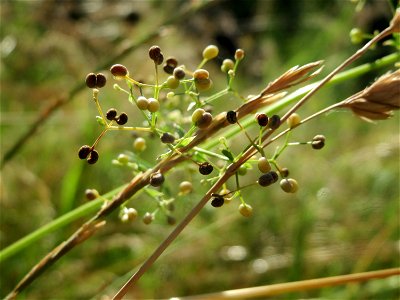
(377, 101)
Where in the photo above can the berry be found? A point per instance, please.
(289, 185)
(156, 55)
(172, 82)
(123, 158)
(156, 179)
(239, 54)
(217, 201)
(170, 65)
(197, 115)
(245, 210)
(293, 120)
(91, 194)
(210, 52)
(203, 84)
(242, 170)
(179, 73)
(171, 220)
(201, 74)
(101, 80)
(185, 187)
(91, 80)
(122, 119)
(119, 70)
(205, 168)
(93, 157)
(139, 144)
(204, 121)
(262, 119)
(231, 117)
(154, 105)
(274, 122)
(111, 114)
(167, 138)
(84, 151)
(284, 172)
(318, 142)
(227, 65)
(142, 103)
(129, 214)
(268, 178)
(356, 36)
(263, 165)
(148, 218)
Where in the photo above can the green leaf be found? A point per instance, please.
(228, 154)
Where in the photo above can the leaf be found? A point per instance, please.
(228, 154)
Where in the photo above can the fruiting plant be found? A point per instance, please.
(187, 136)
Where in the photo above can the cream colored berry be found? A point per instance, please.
(239, 54)
(142, 103)
(263, 165)
(245, 210)
(289, 185)
(139, 144)
(186, 187)
(210, 52)
(227, 65)
(197, 114)
(172, 82)
(154, 105)
(293, 120)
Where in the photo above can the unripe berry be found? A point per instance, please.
(123, 158)
(274, 122)
(239, 54)
(289, 185)
(245, 210)
(129, 214)
(101, 80)
(157, 179)
(204, 121)
(91, 194)
(142, 103)
(242, 170)
(205, 168)
(111, 114)
(293, 120)
(262, 119)
(263, 165)
(231, 117)
(284, 172)
(119, 70)
(185, 187)
(93, 157)
(201, 74)
(167, 138)
(210, 52)
(122, 119)
(91, 80)
(217, 201)
(197, 114)
(172, 82)
(179, 73)
(356, 36)
(154, 105)
(139, 144)
(268, 178)
(148, 218)
(227, 65)
(84, 151)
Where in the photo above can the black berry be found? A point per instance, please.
(274, 122)
(231, 117)
(84, 151)
(91, 80)
(262, 119)
(205, 168)
(170, 65)
(318, 142)
(268, 178)
(111, 114)
(156, 179)
(179, 73)
(217, 201)
(93, 157)
(122, 119)
(167, 138)
(119, 70)
(100, 80)
(156, 55)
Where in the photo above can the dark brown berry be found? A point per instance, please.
(274, 122)
(167, 138)
(268, 178)
(156, 179)
(318, 142)
(231, 117)
(170, 65)
(122, 119)
(84, 151)
(101, 80)
(111, 114)
(91, 80)
(171, 220)
(262, 119)
(168, 69)
(91, 194)
(93, 157)
(284, 172)
(204, 121)
(205, 168)
(156, 55)
(119, 70)
(179, 73)
(217, 201)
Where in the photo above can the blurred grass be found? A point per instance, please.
(344, 218)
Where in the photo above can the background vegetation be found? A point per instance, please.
(344, 218)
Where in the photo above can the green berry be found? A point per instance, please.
(210, 52)
(227, 65)
(172, 82)
(123, 158)
(154, 105)
(185, 187)
(245, 210)
(197, 114)
(289, 185)
(356, 36)
(139, 144)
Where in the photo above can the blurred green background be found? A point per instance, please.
(344, 219)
